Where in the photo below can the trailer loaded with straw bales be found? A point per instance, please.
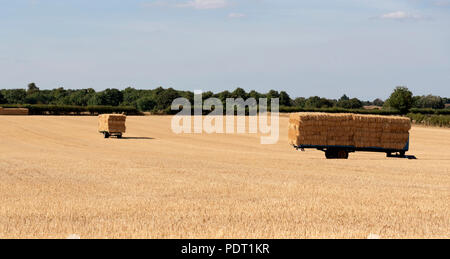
(112, 125)
(340, 134)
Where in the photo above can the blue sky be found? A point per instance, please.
(363, 48)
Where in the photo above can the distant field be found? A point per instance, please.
(59, 177)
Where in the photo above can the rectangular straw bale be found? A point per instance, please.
(14, 111)
(349, 130)
(114, 123)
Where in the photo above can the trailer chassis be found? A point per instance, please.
(342, 152)
(108, 134)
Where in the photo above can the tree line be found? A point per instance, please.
(160, 99)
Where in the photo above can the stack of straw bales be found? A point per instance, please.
(13, 111)
(113, 123)
(361, 131)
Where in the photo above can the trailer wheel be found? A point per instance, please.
(119, 136)
(342, 154)
(106, 134)
(331, 154)
(336, 154)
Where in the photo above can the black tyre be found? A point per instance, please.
(342, 154)
(106, 134)
(119, 136)
(330, 154)
(336, 154)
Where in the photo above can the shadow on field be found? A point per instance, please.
(406, 157)
(142, 138)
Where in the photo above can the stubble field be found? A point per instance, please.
(59, 177)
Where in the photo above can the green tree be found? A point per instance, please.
(130, 96)
(299, 102)
(96, 99)
(347, 103)
(429, 101)
(273, 94)
(159, 91)
(344, 102)
(36, 98)
(57, 95)
(164, 99)
(112, 97)
(33, 95)
(239, 93)
(15, 96)
(223, 96)
(378, 102)
(190, 95)
(317, 102)
(206, 95)
(79, 97)
(447, 102)
(285, 99)
(313, 102)
(355, 103)
(401, 99)
(344, 98)
(2, 99)
(254, 94)
(32, 88)
(145, 103)
(327, 103)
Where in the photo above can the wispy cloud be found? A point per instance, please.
(402, 16)
(195, 4)
(158, 3)
(204, 4)
(442, 3)
(236, 15)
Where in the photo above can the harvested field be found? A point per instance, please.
(59, 177)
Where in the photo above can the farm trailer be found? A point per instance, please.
(340, 134)
(112, 125)
(342, 152)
